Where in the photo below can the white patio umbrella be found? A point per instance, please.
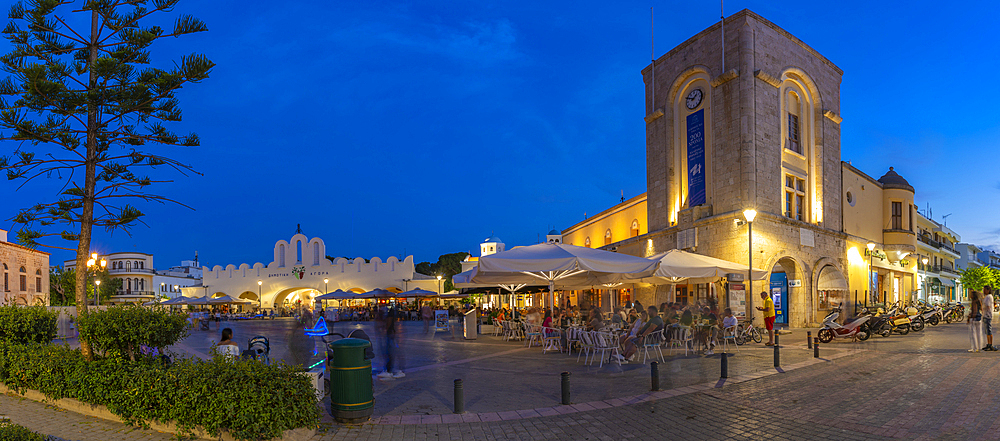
(225, 300)
(679, 266)
(336, 295)
(176, 301)
(417, 292)
(464, 280)
(557, 263)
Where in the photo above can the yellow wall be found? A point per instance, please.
(864, 218)
(618, 219)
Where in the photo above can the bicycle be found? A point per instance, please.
(747, 333)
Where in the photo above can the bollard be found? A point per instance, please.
(809, 339)
(459, 397)
(816, 348)
(565, 388)
(777, 357)
(654, 376)
(725, 366)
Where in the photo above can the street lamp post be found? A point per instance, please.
(260, 301)
(93, 267)
(439, 289)
(750, 214)
(871, 286)
(926, 296)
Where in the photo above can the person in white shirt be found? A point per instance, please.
(227, 347)
(988, 318)
(728, 320)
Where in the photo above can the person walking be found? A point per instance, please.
(988, 318)
(426, 314)
(768, 310)
(974, 320)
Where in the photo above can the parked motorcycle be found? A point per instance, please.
(878, 323)
(954, 313)
(931, 314)
(899, 320)
(853, 328)
(916, 319)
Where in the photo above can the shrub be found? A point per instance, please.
(120, 331)
(24, 324)
(13, 432)
(249, 399)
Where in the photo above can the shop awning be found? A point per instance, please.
(947, 282)
(831, 280)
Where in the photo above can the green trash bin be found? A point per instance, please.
(350, 368)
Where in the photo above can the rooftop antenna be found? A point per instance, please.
(945, 219)
(623, 195)
(722, 25)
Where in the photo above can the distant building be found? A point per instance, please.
(141, 282)
(25, 274)
(298, 271)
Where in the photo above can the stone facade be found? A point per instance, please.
(749, 152)
(25, 274)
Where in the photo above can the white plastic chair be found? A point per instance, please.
(552, 338)
(652, 340)
(729, 334)
(682, 338)
(572, 336)
(532, 334)
(497, 327)
(586, 346)
(605, 343)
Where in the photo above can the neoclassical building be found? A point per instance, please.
(298, 271)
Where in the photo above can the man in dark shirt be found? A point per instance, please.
(654, 324)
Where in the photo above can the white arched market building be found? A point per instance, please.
(298, 272)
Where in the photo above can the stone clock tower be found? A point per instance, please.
(756, 126)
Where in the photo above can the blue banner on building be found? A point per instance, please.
(696, 158)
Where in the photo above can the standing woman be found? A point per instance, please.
(975, 320)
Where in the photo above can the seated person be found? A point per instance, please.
(654, 324)
(728, 319)
(227, 347)
(637, 324)
(707, 335)
(687, 319)
(670, 315)
(616, 318)
(596, 322)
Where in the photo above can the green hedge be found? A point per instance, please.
(27, 324)
(13, 432)
(119, 331)
(249, 399)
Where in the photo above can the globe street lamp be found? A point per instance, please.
(750, 214)
(871, 286)
(97, 292)
(439, 289)
(93, 267)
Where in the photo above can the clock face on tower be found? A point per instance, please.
(694, 99)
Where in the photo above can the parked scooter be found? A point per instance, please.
(878, 323)
(900, 321)
(954, 313)
(932, 314)
(916, 319)
(854, 328)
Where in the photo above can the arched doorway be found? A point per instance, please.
(295, 297)
(785, 288)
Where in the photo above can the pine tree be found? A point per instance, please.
(82, 102)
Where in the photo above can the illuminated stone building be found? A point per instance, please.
(754, 127)
(25, 274)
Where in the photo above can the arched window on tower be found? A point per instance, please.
(24, 279)
(298, 251)
(607, 237)
(634, 231)
(586, 243)
(315, 247)
(794, 106)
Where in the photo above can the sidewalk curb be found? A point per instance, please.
(521, 414)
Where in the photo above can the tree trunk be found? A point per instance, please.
(87, 217)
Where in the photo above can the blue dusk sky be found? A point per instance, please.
(421, 128)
